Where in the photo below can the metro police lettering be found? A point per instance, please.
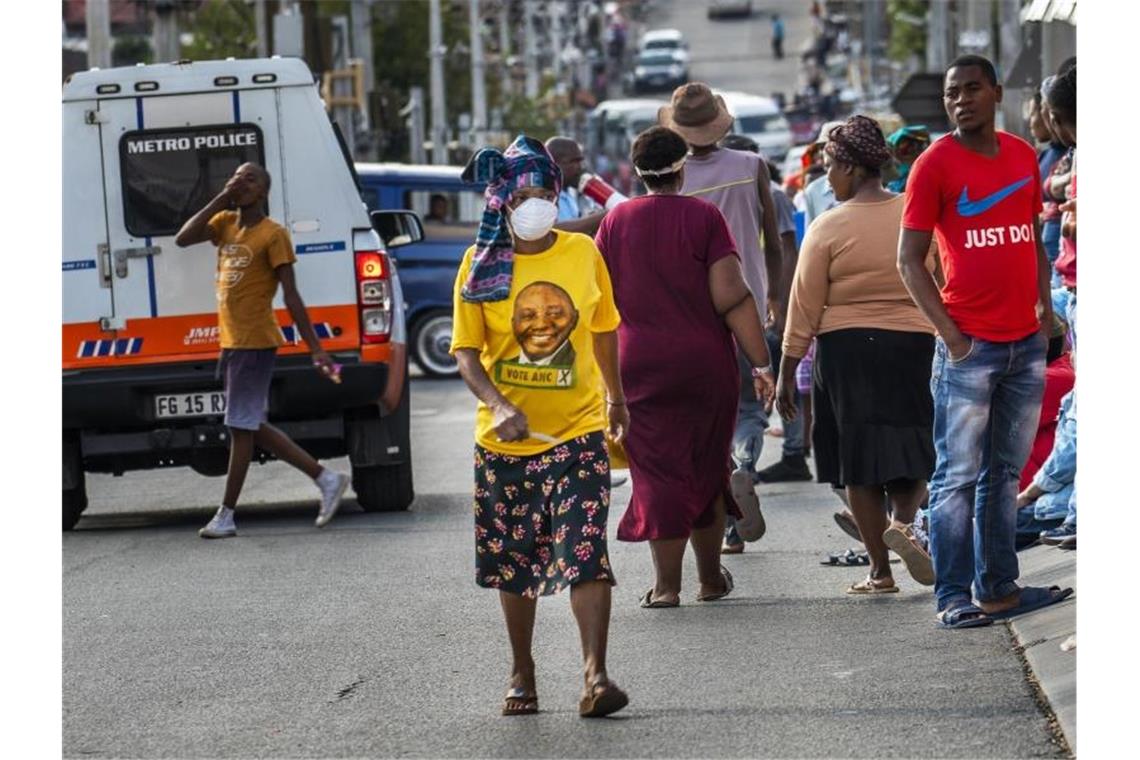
(168, 144)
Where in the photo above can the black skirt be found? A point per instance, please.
(872, 412)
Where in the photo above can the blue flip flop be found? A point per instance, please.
(1034, 598)
(966, 615)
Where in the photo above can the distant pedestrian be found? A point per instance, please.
(871, 398)
(738, 184)
(777, 36)
(255, 255)
(678, 284)
(576, 212)
(978, 190)
(535, 340)
(907, 144)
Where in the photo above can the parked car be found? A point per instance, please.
(724, 8)
(144, 148)
(761, 119)
(665, 41)
(656, 71)
(451, 210)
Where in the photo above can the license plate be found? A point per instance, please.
(204, 404)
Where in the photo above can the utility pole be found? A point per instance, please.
(438, 110)
(261, 28)
(360, 19)
(167, 47)
(414, 111)
(937, 33)
(505, 30)
(478, 77)
(98, 34)
(531, 43)
(556, 11)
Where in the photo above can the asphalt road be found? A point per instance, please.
(370, 638)
(736, 54)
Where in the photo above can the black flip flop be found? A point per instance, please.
(849, 558)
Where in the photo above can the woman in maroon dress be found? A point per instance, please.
(679, 288)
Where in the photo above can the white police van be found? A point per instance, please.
(144, 148)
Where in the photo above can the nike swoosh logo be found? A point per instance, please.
(967, 207)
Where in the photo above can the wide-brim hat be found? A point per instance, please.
(696, 114)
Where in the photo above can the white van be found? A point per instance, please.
(144, 148)
(761, 119)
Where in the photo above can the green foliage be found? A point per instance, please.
(131, 50)
(222, 28)
(907, 39)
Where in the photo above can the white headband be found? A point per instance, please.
(670, 169)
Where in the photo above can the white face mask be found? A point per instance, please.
(533, 218)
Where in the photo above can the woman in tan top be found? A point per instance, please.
(871, 384)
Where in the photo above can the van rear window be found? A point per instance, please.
(169, 174)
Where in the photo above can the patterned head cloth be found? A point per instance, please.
(858, 141)
(526, 163)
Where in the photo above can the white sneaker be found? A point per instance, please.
(752, 527)
(332, 485)
(221, 526)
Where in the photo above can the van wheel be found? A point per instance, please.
(431, 339)
(384, 489)
(75, 484)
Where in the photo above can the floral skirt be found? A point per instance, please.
(540, 521)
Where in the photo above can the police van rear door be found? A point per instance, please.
(164, 158)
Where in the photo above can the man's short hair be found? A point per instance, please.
(980, 61)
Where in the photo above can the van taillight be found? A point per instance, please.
(373, 296)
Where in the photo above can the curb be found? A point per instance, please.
(1040, 634)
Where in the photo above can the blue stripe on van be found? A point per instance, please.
(71, 266)
(320, 247)
(149, 259)
(237, 107)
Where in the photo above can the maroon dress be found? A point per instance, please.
(678, 361)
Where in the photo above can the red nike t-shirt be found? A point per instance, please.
(982, 211)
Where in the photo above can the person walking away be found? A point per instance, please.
(737, 183)
(255, 254)
(873, 411)
(576, 213)
(748, 438)
(777, 36)
(977, 189)
(535, 326)
(678, 285)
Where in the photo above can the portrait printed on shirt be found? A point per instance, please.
(543, 320)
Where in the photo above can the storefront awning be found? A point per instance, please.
(1050, 10)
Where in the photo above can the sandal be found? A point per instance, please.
(604, 698)
(846, 522)
(649, 603)
(905, 544)
(728, 586)
(519, 702)
(965, 615)
(871, 585)
(849, 558)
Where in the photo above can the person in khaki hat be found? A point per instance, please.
(737, 183)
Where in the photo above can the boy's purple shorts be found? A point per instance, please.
(248, 372)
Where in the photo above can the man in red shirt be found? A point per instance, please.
(978, 191)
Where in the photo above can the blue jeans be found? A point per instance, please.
(986, 407)
(794, 430)
(748, 438)
(1058, 472)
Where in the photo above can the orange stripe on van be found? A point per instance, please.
(193, 337)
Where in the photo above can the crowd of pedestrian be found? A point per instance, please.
(942, 358)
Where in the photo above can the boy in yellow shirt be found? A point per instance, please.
(254, 255)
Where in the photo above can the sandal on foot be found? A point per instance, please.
(604, 698)
(519, 702)
(1033, 598)
(649, 603)
(870, 585)
(905, 544)
(728, 548)
(846, 523)
(728, 586)
(966, 615)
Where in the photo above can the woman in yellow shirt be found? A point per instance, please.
(534, 327)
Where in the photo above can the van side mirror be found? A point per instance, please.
(397, 228)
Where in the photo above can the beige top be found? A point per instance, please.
(847, 276)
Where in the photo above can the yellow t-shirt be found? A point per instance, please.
(537, 345)
(246, 281)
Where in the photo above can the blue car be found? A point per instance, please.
(451, 211)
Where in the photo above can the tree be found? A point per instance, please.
(908, 30)
(131, 50)
(222, 28)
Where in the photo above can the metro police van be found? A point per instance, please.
(144, 148)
